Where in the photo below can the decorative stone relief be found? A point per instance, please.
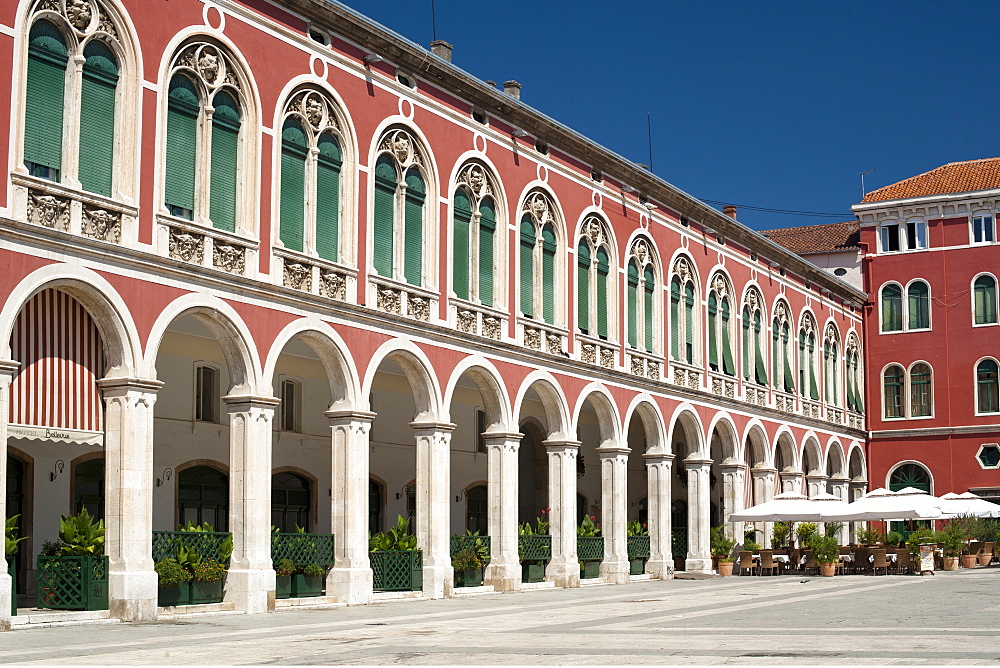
(717, 386)
(229, 258)
(491, 327)
(831, 335)
(388, 300)
(720, 285)
(477, 181)
(187, 247)
(683, 269)
(540, 208)
(640, 249)
(594, 228)
(403, 146)
(297, 276)
(419, 308)
(467, 321)
(694, 380)
(532, 338)
(208, 63)
(48, 210)
(101, 224)
(333, 285)
(588, 353)
(607, 358)
(84, 16)
(554, 343)
(680, 377)
(653, 370)
(731, 389)
(638, 365)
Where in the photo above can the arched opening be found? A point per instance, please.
(533, 473)
(476, 510)
(203, 497)
(19, 500)
(291, 502)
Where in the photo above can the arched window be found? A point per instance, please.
(918, 305)
(920, 390)
(720, 326)
(475, 241)
(682, 312)
(985, 300)
(203, 496)
(205, 119)
(892, 382)
(808, 385)
(892, 308)
(754, 367)
(639, 297)
(291, 502)
(399, 211)
(831, 364)
(475, 510)
(311, 162)
(537, 258)
(781, 349)
(910, 475)
(855, 378)
(987, 391)
(594, 296)
(88, 487)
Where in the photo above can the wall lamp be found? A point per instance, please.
(373, 59)
(651, 207)
(709, 230)
(58, 469)
(628, 189)
(402, 492)
(518, 132)
(168, 473)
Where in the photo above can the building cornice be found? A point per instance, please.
(938, 431)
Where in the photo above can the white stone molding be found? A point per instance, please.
(614, 517)
(699, 557)
(433, 507)
(563, 569)
(733, 495)
(839, 487)
(658, 472)
(504, 569)
(762, 480)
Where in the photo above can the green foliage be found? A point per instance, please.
(171, 573)
(588, 528)
(395, 539)
(986, 529)
(805, 531)
(636, 528)
(81, 535)
(51, 548)
(313, 570)
(208, 570)
(10, 536)
(721, 544)
(284, 568)
(466, 559)
(953, 538)
(869, 536)
(780, 534)
(893, 538)
(918, 537)
(824, 549)
(480, 546)
(541, 527)
(831, 528)
(225, 549)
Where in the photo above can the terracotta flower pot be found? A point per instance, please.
(828, 570)
(970, 561)
(985, 558)
(725, 568)
(951, 563)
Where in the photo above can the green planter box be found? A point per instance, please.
(590, 570)
(397, 570)
(305, 586)
(72, 583)
(206, 592)
(283, 586)
(469, 578)
(532, 571)
(637, 566)
(177, 595)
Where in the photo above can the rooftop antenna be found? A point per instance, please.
(434, 30)
(649, 139)
(863, 191)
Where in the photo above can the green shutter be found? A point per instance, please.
(413, 228)
(849, 383)
(647, 312)
(713, 315)
(917, 298)
(225, 160)
(786, 359)
(675, 317)
(487, 241)
(328, 198)
(728, 366)
(689, 322)
(813, 390)
(182, 146)
(294, 148)
(859, 385)
(383, 217)
(985, 289)
(892, 308)
(603, 271)
(759, 349)
(583, 287)
(826, 372)
(776, 355)
(462, 213)
(746, 343)
(97, 118)
(527, 261)
(549, 275)
(43, 106)
(803, 362)
(633, 304)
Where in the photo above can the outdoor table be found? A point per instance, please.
(783, 558)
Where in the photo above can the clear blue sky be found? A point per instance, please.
(770, 104)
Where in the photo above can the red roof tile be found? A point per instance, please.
(955, 177)
(825, 238)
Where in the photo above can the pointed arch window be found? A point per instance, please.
(682, 312)
(538, 259)
(781, 349)
(855, 378)
(831, 364)
(640, 300)
(754, 367)
(400, 209)
(984, 291)
(720, 326)
(474, 236)
(988, 387)
(595, 306)
(808, 381)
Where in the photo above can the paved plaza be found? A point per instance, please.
(949, 618)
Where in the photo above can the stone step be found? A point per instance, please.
(35, 617)
(472, 591)
(204, 608)
(308, 602)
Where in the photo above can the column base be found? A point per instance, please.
(563, 572)
(438, 581)
(615, 570)
(661, 569)
(692, 565)
(251, 590)
(132, 595)
(352, 586)
(5, 593)
(503, 576)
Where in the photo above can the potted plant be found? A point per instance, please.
(952, 540)
(11, 541)
(722, 548)
(308, 581)
(637, 546)
(534, 548)
(780, 534)
(283, 571)
(174, 582)
(468, 567)
(893, 538)
(804, 532)
(750, 541)
(987, 531)
(869, 536)
(72, 574)
(589, 547)
(206, 581)
(827, 553)
(395, 552)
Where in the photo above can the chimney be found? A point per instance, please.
(512, 88)
(442, 49)
(730, 210)
(490, 83)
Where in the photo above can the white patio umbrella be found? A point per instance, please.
(967, 503)
(882, 504)
(784, 507)
(829, 506)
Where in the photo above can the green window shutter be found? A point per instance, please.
(294, 148)
(182, 146)
(603, 307)
(43, 105)
(487, 242)
(413, 228)
(462, 214)
(383, 217)
(894, 392)
(918, 304)
(803, 362)
(225, 160)
(826, 372)
(834, 368)
(775, 354)
(675, 317)
(892, 308)
(713, 316)
(527, 269)
(549, 274)
(328, 167)
(583, 287)
(859, 385)
(987, 386)
(985, 289)
(689, 322)
(97, 118)
(728, 366)
(758, 348)
(849, 384)
(633, 304)
(786, 357)
(813, 390)
(746, 343)
(647, 311)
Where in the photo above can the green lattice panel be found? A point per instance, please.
(535, 548)
(479, 543)
(638, 547)
(303, 548)
(590, 548)
(206, 544)
(679, 542)
(72, 583)
(397, 570)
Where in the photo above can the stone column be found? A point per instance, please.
(791, 481)
(563, 569)
(504, 569)
(816, 484)
(251, 580)
(838, 487)
(763, 491)
(733, 496)
(433, 509)
(128, 514)
(658, 472)
(614, 512)
(7, 371)
(350, 580)
(857, 489)
(699, 557)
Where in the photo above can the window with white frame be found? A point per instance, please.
(640, 300)
(808, 375)
(889, 237)
(754, 336)
(987, 387)
(206, 393)
(475, 240)
(907, 394)
(831, 364)
(893, 392)
(720, 325)
(538, 259)
(781, 349)
(916, 235)
(912, 313)
(595, 293)
(984, 300)
(683, 324)
(291, 409)
(983, 229)
(854, 381)
(921, 390)
(400, 210)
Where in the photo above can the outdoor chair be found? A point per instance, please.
(861, 555)
(746, 563)
(810, 566)
(904, 564)
(794, 558)
(879, 561)
(767, 563)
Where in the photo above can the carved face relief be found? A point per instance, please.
(208, 65)
(401, 147)
(79, 13)
(682, 269)
(313, 111)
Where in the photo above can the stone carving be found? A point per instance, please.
(808, 324)
(721, 286)
(187, 247)
(229, 258)
(333, 285)
(594, 229)
(105, 24)
(653, 370)
(388, 300)
(781, 312)
(754, 300)
(48, 6)
(640, 249)
(477, 181)
(638, 365)
(101, 224)
(401, 145)
(554, 342)
(209, 64)
(831, 335)
(532, 338)
(683, 269)
(588, 353)
(679, 376)
(694, 380)
(298, 276)
(79, 13)
(48, 210)
(540, 207)
(607, 358)
(314, 107)
(491, 327)
(730, 390)
(419, 308)
(717, 386)
(467, 321)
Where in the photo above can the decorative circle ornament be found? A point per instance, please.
(543, 173)
(406, 109)
(213, 17)
(319, 67)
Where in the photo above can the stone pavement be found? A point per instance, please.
(951, 618)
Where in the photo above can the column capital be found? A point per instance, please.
(839, 480)
(791, 473)
(561, 445)
(250, 401)
(8, 369)
(431, 426)
(658, 457)
(347, 416)
(502, 436)
(128, 384)
(732, 468)
(696, 462)
(612, 451)
(816, 476)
